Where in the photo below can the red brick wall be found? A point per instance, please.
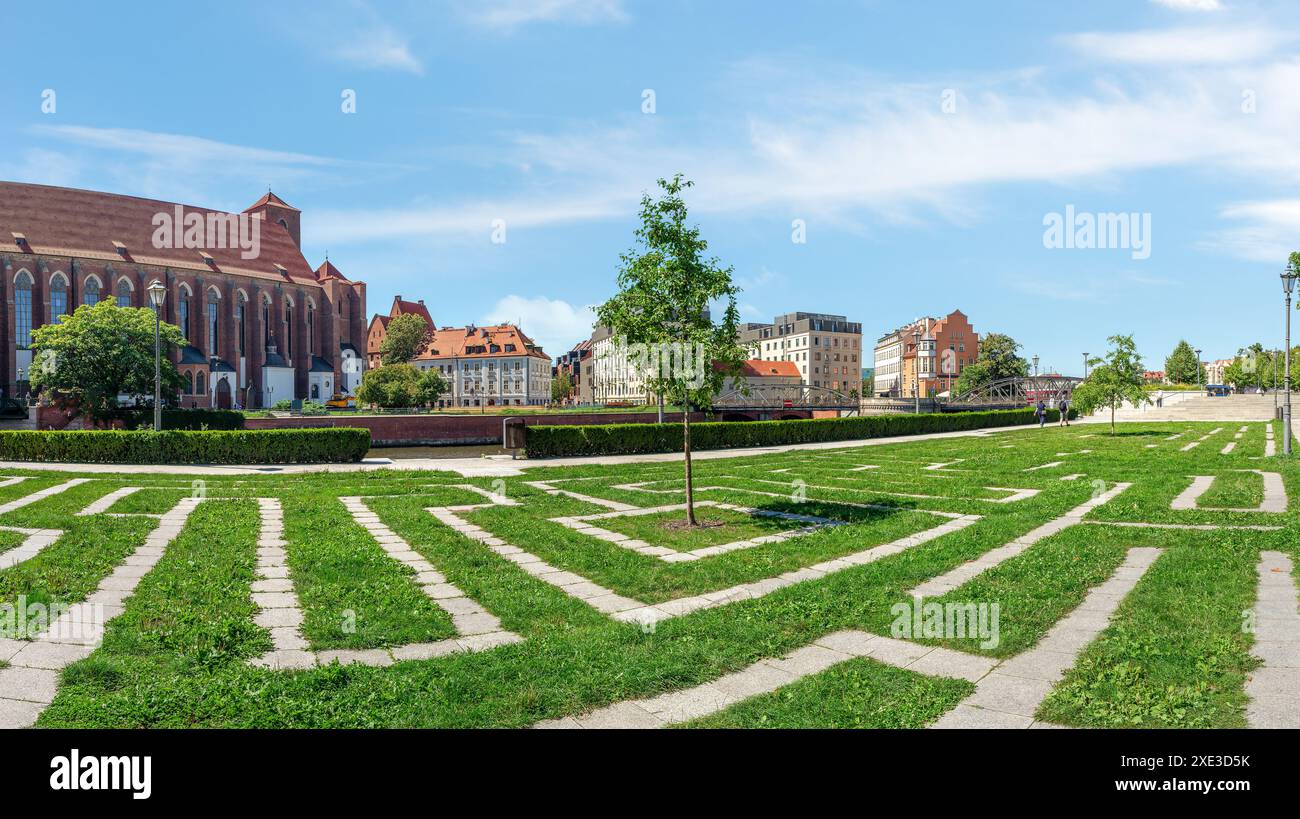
(416, 430)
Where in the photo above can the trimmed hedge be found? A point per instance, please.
(544, 441)
(263, 446)
(196, 419)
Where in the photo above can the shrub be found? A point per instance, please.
(268, 446)
(314, 408)
(627, 439)
(283, 405)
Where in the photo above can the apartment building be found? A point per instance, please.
(925, 356)
(826, 349)
(488, 366)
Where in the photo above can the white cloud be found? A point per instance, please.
(381, 47)
(511, 14)
(1266, 230)
(177, 149)
(1190, 5)
(1207, 45)
(553, 323)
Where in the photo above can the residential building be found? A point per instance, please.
(759, 373)
(488, 366)
(378, 330)
(1214, 370)
(578, 365)
(926, 355)
(827, 349)
(260, 324)
(614, 380)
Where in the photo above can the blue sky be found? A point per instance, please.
(922, 145)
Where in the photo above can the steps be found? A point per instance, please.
(1201, 408)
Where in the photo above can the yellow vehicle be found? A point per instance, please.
(341, 401)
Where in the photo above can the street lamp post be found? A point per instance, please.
(1198, 368)
(916, 369)
(157, 295)
(1288, 281)
(1085, 366)
(1035, 366)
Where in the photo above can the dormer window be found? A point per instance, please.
(207, 259)
(20, 240)
(121, 248)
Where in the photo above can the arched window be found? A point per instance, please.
(91, 292)
(123, 293)
(183, 313)
(213, 311)
(288, 329)
(266, 322)
(311, 329)
(240, 301)
(58, 297)
(187, 388)
(199, 387)
(23, 310)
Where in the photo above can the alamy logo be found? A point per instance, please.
(75, 772)
(953, 621)
(670, 361)
(207, 230)
(1108, 231)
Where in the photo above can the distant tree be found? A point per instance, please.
(405, 338)
(666, 286)
(997, 358)
(430, 386)
(391, 386)
(1182, 365)
(100, 353)
(1112, 380)
(561, 387)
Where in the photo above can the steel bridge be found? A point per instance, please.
(776, 401)
(1020, 391)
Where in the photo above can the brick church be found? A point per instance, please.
(262, 325)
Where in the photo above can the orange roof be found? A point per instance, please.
(402, 307)
(85, 224)
(756, 368)
(479, 342)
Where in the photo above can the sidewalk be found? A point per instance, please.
(494, 467)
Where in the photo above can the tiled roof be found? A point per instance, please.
(402, 307)
(270, 199)
(85, 224)
(462, 342)
(756, 368)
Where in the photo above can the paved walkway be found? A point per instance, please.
(1274, 687)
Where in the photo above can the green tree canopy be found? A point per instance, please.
(662, 312)
(997, 358)
(1113, 380)
(391, 386)
(1182, 365)
(561, 387)
(430, 387)
(99, 354)
(404, 339)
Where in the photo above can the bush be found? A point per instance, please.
(265, 446)
(314, 408)
(181, 418)
(283, 405)
(628, 439)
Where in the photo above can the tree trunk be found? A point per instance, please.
(1112, 417)
(686, 450)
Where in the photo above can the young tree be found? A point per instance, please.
(1182, 366)
(1113, 380)
(405, 338)
(99, 353)
(561, 387)
(662, 310)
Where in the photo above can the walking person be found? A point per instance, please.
(1041, 412)
(1064, 407)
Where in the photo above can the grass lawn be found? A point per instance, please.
(1173, 654)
